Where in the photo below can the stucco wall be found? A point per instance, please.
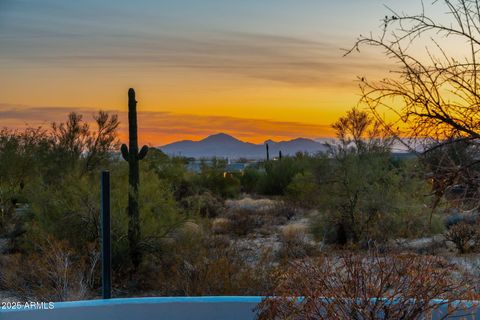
(174, 308)
(202, 308)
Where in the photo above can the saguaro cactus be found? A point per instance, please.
(132, 156)
(268, 152)
(279, 154)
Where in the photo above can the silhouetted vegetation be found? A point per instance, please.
(132, 155)
(201, 233)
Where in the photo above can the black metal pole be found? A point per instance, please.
(106, 245)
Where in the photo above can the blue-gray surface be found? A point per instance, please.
(171, 308)
(144, 308)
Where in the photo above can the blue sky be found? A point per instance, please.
(88, 21)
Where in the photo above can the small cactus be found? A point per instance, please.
(132, 156)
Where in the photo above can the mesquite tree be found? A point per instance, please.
(132, 156)
(433, 91)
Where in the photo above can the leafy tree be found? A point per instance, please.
(74, 140)
(250, 179)
(364, 197)
(359, 132)
(22, 155)
(212, 178)
(173, 170)
(304, 190)
(279, 174)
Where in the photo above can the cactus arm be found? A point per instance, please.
(143, 152)
(124, 150)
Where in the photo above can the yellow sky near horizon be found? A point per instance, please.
(198, 103)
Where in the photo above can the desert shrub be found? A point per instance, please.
(303, 190)
(295, 242)
(465, 236)
(54, 272)
(365, 198)
(248, 215)
(248, 203)
(212, 178)
(278, 175)
(24, 157)
(283, 211)
(68, 210)
(358, 286)
(244, 221)
(205, 205)
(196, 263)
(174, 171)
(49, 186)
(249, 180)
(279, 210)
(221, 226)
(160, 214)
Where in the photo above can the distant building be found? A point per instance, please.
(196, 165)
(235, 168)
(229, 168)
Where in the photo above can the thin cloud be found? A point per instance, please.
(283, 59)
(158, 128)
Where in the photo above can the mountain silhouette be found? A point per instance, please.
(224, 145)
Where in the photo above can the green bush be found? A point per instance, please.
(304, 190)
(365, 198)
(205, 205)
(250, 179)
(278, 175)
(214, 180)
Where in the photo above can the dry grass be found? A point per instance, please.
(296, 241)
(221, 226)
(251, 204)
(54, 273)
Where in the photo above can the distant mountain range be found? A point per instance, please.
(226, 146)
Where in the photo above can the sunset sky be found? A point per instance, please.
(256, 69)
